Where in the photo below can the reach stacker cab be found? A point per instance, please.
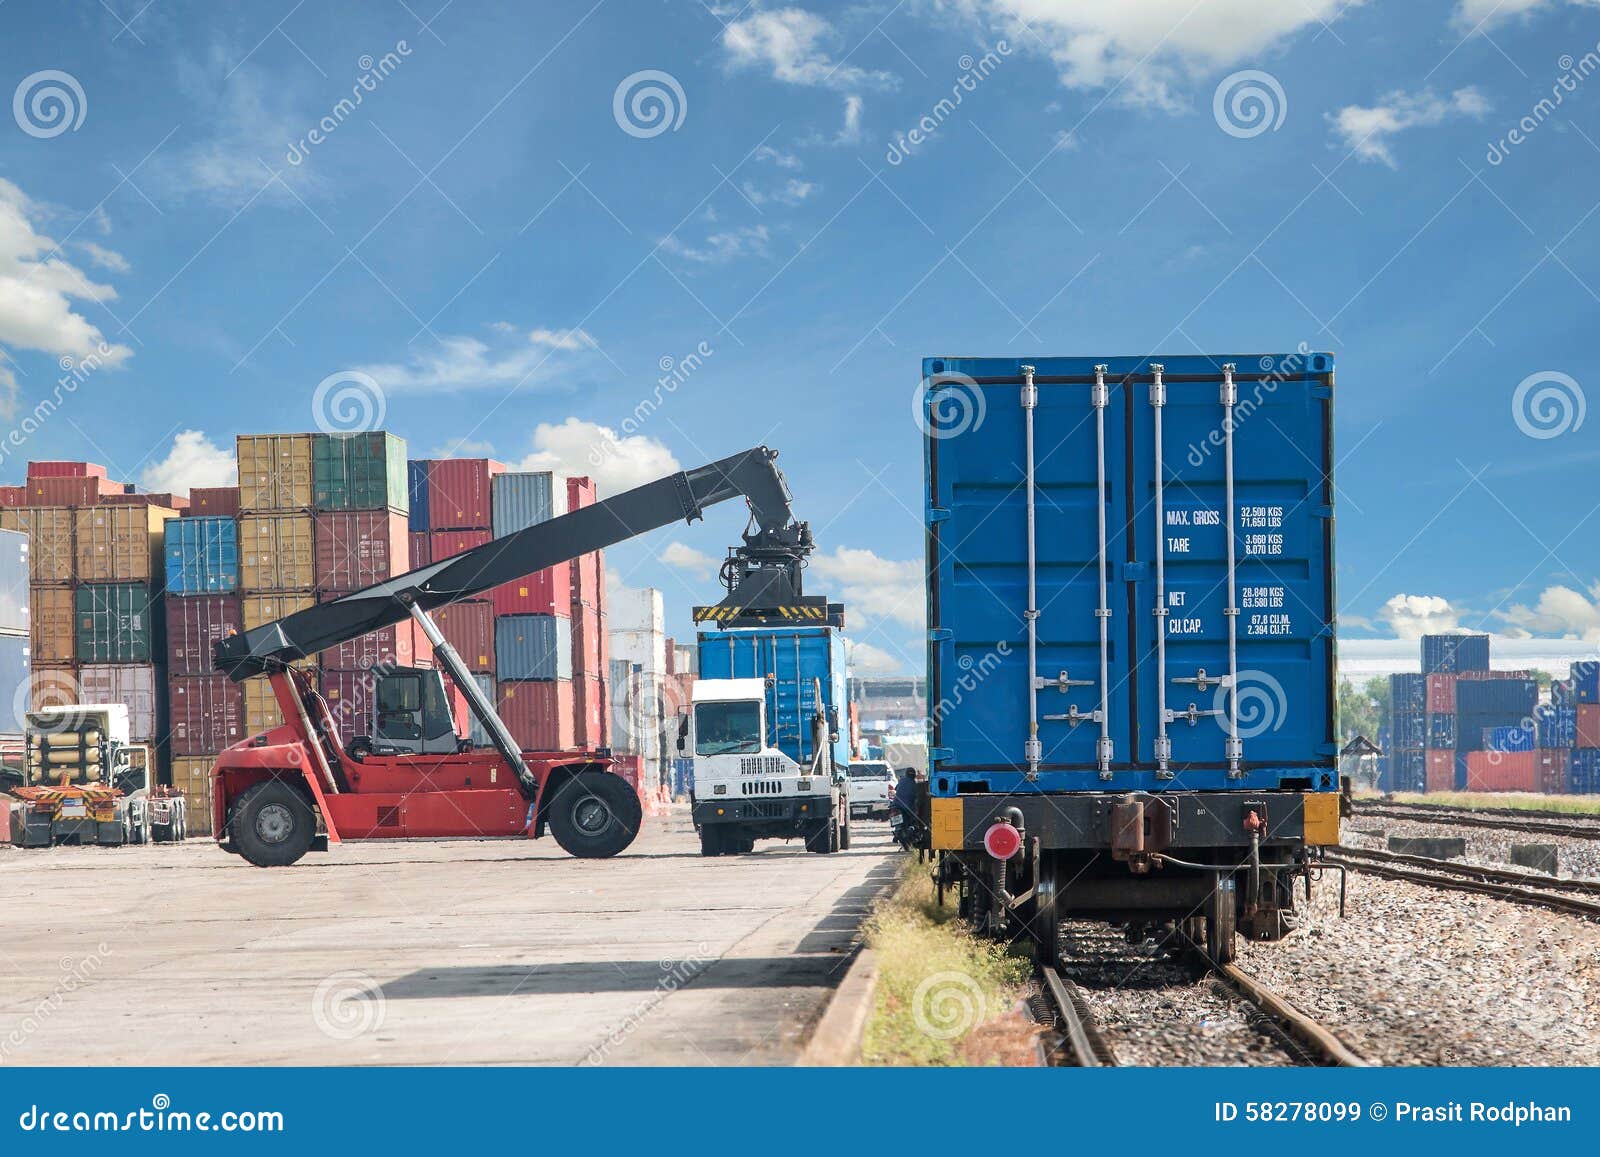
(417, 775)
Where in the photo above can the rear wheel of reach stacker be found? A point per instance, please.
(595, 814)
(272, 825)
(1221, 921)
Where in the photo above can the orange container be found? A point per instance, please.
(1502, 771)
(1441, 773)
(1589, 725)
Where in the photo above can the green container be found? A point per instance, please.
(113, 622)
(359, 472)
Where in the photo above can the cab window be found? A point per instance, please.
(727, 728)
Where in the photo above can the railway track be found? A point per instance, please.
(1504, 819)
(1574, 897)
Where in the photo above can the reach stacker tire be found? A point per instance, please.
(272, 825)
(595, 814)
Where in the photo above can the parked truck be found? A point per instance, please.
(770, 760)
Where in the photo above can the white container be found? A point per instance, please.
(133, 685)
(637, 609)
(647, 649)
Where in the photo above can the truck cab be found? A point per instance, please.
(745, 786)
(871, 788)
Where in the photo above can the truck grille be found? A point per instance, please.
(760, 765)
(761, 787)
(766, 810)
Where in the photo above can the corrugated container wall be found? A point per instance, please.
(54, 614)
(526, 498)
(349, 697)
(202, 556)
(469, 628)
(131, 684)
(15, 569)
(277, 552)
(417, 493)
(364, 471)
(275, 472)
(402, 645)
(62, 469)
(258, 609)
(192, 776)
(64, 491)
(1280, 523)
(538, 714)
(355, 549)
(214, 501)
(113, 623)
(120, 543)
(475, 730)
(16, 680)
(794, 661)
(1453, 654)
(532, 647)
(51, 557)
(459, 493)
(194, 625)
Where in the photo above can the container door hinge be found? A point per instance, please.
(941, 754)
(937, 514)
(940, 634)
(1323, 512)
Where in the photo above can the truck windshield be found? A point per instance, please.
(727, 728)
(869, 771)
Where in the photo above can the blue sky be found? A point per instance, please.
(512, 248)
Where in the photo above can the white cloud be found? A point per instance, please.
(874, 587)
(782, 159)
(1412, 616)
(1366, 131)
(1148, 50)
(1472, 14)
(194, 460)
(1559, 612)
(462, 448)
(791, 192)
(745, 241)
(865, 659)
(790, 41)
(37, 288)
(850, 133)
(614, 461)
(460, 362)
(105, 258)
(686, 558)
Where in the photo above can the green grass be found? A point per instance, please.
(945, 995)
(1579, 805)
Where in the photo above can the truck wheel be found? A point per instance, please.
(824, 838)
(595, 814)
(272, 825)
(844, 837)
(710, 840)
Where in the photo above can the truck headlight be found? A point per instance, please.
(804, 785)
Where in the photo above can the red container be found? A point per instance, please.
(64, 491)
(469, 628)
(1554, 765)
(1441, 773)
(401, 645)
(12, 497)
(585, 579)
(215, 501)
(1441, 694)
(631, 769)
(206, 713)
(194, 624)
(1502, 771)
(546, 592)
(421, 548)
(349, 697)
(65, 470)
(445, 544)
(459, 493)
(356, 548)
(588, 641)
(539, 714)
(169, 500)
(589, 712)
(1588, 725)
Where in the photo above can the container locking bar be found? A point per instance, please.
(1063, 683)
(1158, 402)
(1233, 747)
(1098, 398)
(1032, 749)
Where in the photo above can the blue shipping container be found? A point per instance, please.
(1586, 681)
(795, 661)
(1558, 725)
(1461, 771)
(1168, 527)
(1500, 696)
(1408, 691)
(526, 498)
(417, 485)
(1513, 738)
(1452, 654)
(1441, 732)
(202, 556)
(1472, 729)
(1409, 729)
(533, 647)
(1410, 771)
(1584, 774)
(14, 581)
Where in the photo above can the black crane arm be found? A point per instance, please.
(753, 474)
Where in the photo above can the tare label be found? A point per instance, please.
(1193, 530)
(1261, 530)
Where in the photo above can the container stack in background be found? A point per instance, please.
(591, 649)
(1582, 693)
(15, 645)
(360, 516)
(533, 622)
(639, 664)
(205, 710)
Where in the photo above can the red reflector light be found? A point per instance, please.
(1002, 841)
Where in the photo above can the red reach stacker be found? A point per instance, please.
(416, 775)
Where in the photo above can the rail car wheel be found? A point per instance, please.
(272, 825)
(1044, 926)
(1221, 919)
(595, 814)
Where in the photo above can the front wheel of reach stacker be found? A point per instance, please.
(272, 825)
(595, 814)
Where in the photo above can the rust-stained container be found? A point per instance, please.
(1440, 694)
(53, 685)
(589, 713)
(588, 641)
(131, 684)
(349, 696)
(64, 491)
(1555, 764)
(216, 501)
(538, 714)
(277, 552)
(206, 712)
(1588, 725)
(1441, 769)
(356, 548)
(449, 543)
(122, 544)
(51, 557)
(545, 592)
(421, 548)
(275, 472)
(1503, 771)
(460, 493)
(402, 645)
(191, 774)
(469, 628)
(62, 469)
(194, 624)
(53, 622)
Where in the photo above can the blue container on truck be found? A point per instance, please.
(202, 556)
(1131, 620)
(794, 661)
